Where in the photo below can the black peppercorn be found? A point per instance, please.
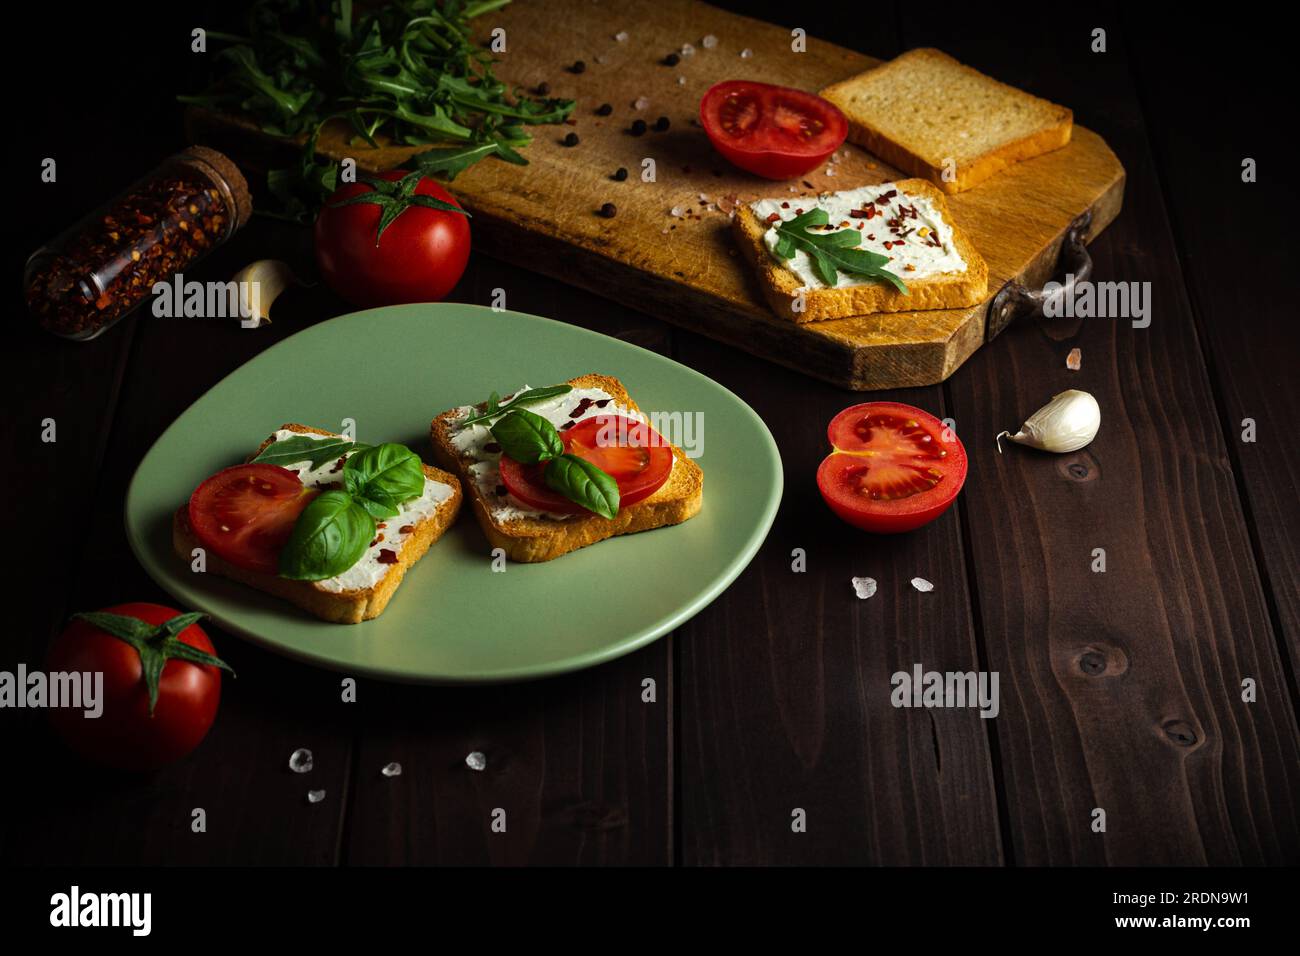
(571, 140)
(638, 127)
(620, 174)
(604, 109)
(578, 67)
(609, 210)
(672, 59)
(661, 124)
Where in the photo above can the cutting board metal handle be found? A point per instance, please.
(1017, 301)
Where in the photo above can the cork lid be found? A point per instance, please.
(222, 170)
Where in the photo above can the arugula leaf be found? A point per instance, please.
(527, 438)
(529, 397)
(831, 252)
(330, 536)
(411, 71)
(315, 449)
(583, 483)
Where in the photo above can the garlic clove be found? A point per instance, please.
(256, 287)
(1067, 423)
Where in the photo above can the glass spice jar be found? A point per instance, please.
(99, 269)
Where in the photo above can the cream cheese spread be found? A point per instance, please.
(920, 242)
(389, 536)
(472, 442)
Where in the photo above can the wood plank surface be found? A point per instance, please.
(685, 270)
(1247, 331)
(784, 681)
(1123, 689)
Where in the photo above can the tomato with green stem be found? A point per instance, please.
(392, 238)
(161, 684)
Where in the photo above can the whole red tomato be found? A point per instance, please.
(417, 256)
(129, 733)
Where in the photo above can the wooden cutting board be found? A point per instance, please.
(685, 269)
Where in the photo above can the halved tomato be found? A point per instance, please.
(631, 452)
(245, 514)
(893, 467)
(771, 131)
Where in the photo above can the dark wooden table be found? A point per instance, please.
(1119, 690)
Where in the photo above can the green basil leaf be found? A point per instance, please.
(583, 483)
(379, 509)
(330, 536)
(317, 449)
(527, 438)
(530, 397)
(388, 474)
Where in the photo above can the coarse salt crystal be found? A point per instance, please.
(621, 36)
(688, 50)
(709, 42)
(864, 587)
(921, 584)
(681, 81)
(300, 761)
(315, 796)
(641, 102)
(476, 761)
(746, 53)
(1074, 361)
(676, 212)
(393, 769)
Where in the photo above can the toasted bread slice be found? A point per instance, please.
(780, 285)
(339, 606)
(925, 113)
(534, 537)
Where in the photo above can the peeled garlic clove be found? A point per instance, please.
(1067, 423)
(257, 286)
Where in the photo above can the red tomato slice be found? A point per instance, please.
(771, 131)
(245, 514)
(629, 451)
(893, 467)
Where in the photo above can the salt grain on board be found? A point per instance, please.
(864, 587)
(1074, 361)
(921, 584)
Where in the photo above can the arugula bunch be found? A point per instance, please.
(831, 252)
(408, 69)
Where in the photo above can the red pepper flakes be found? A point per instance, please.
(104, 266)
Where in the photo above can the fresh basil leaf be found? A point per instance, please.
(583, 483)
(388, 474)
(315, 449)
(529, 397)
(379, 510)
(330, 536)
(527, 438)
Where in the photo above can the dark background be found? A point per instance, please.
(766, 708)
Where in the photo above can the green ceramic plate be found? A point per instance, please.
(455, 620)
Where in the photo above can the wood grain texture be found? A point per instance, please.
(686, 271)
(1122, 690)
(1247, 331)
(784, 681)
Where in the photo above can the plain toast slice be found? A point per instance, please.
(781, 286)
(530, 537)
(350, 606)
(925, 113)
